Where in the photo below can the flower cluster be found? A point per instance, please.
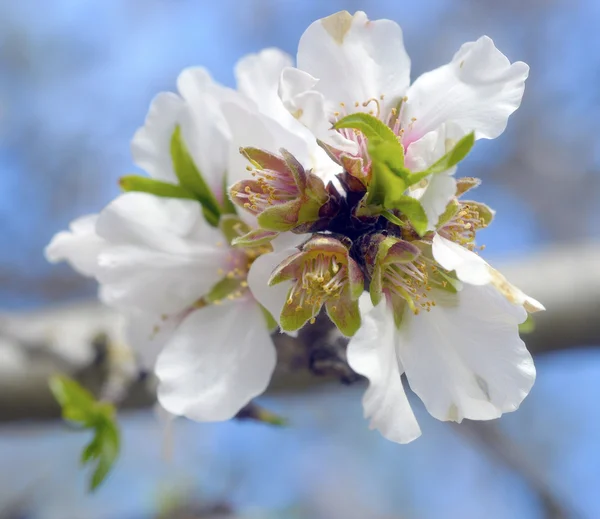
(326, 185)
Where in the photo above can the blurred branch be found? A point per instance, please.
(83, 340)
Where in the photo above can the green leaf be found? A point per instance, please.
(413, 210)
(77, 402)
(387, 181)
(191, 179)
(154, 187)
(79, 406)
(391, 217)
(370, 126)
(108, 441)
(450, 159)
(375, 130)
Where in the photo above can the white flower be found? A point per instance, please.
(347, 64)
(159, 261)
(264, 123)
(80, 245)
(267, 125)
(464, 359)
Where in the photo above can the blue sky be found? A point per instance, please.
(328, 451)
(78, 77)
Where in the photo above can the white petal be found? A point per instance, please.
(218, 360)
(256, 130)
(309, 107)
(150, 146)
(147, 335)
(79, 246)
(466, 360)
(469, 267)
(441, 187)
(204, 127)
(372, 353)
(162, 255)
(440, 190)
(257, 77)
(356, 59)
(477, 90)
(273, 298)
(472, 269)
(513, 294)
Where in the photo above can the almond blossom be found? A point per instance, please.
(435, 311)
(348, 64)
(159, 260)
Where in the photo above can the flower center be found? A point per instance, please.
(410, 282)
(268, 189)
(323, 277)
(463, 226)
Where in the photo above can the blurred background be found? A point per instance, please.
(76, 79)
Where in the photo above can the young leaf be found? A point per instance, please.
(191, 179)
(413, 210)
(392, 218)
(76, 402)
(372, 128)
(154, 187)
(80, 407)
(450, 159)
(387, 182)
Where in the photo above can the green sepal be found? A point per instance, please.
(464, 184)
(232, 227)
(446, 281)
(450, 159)
(398, 310)
(272, 323)
(486, 213)
(295, 316)
(309, 211)
(451, 209)
(280, 218)
(154, 187)
(190, 178)
(345, 314)
(227, 207)
(223, 288)
(356, 279)
(255, 238)
(81, 408)
(390, 250)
